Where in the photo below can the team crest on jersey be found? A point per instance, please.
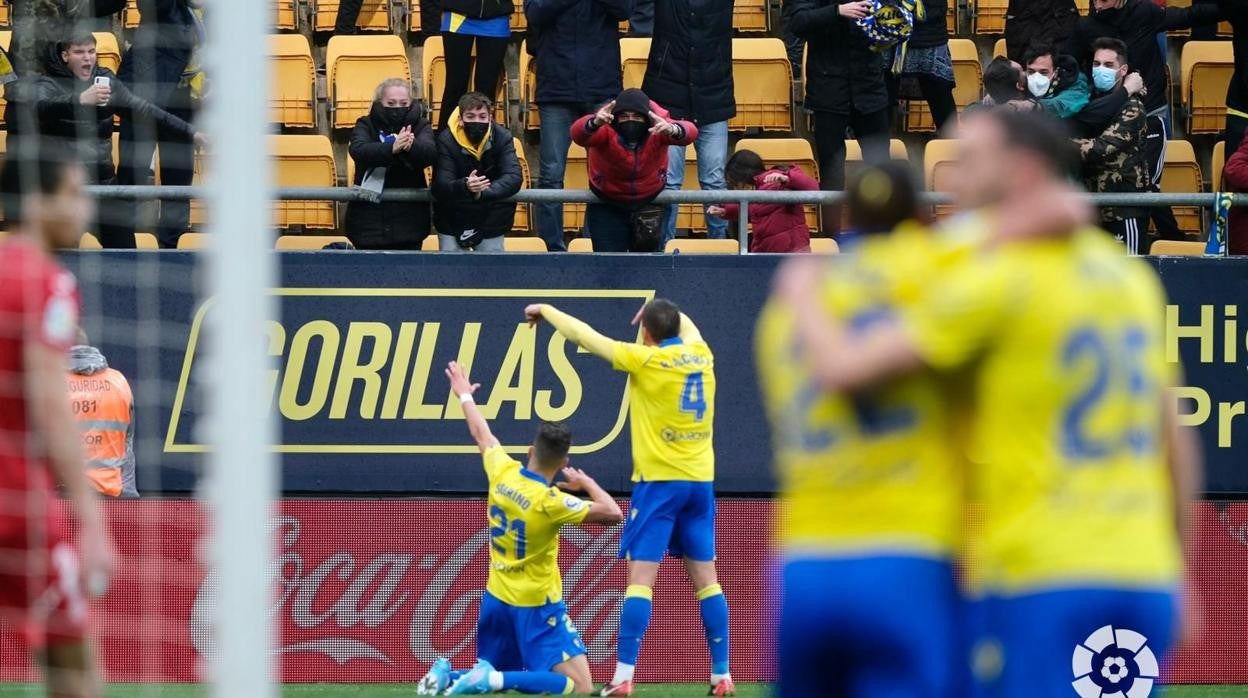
(1114, 662)
(573, 503)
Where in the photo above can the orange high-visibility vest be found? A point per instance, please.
(102, 404)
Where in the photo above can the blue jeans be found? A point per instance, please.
(556, 136)
(712, 149)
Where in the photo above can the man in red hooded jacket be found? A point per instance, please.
(627, 141)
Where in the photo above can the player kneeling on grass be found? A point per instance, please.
(526, 641)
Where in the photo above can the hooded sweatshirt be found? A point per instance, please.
(107, 385)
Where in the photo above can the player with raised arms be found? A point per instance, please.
(671, 398)
(44, 581)
(526, 641)
(1079, 471)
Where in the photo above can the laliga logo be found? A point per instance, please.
(1114, 664)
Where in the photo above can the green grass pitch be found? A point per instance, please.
(672, 690)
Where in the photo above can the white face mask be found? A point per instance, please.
(1038, 84)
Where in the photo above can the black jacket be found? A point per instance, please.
(38, 25)
(1237, 91)
(61, 115)
(842, 72)
(577, 49)
(1137, 24)
(161, 50)
(934, 29)
(1101, 111)
(391, 225)
(1040, 22)
(690, 65)
(455, 209)
(479, 9)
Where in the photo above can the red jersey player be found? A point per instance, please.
(43, 579)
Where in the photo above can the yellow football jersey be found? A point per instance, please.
(671, 394)
(1066, 341)
(875, 470)
(525, 514)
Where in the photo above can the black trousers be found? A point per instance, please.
(871, 130)
(1132, 232)
(490, 54)
(139, 138)
(936, 92)
(348, 15)
(1155, 138)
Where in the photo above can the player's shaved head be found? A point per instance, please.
(551, 446)
(661, 319)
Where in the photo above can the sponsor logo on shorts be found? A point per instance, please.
(1114, 662)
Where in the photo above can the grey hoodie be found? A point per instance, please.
(88, 361)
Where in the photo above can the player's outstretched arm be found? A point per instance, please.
(602, 508)
(464, 388)
(579, 332)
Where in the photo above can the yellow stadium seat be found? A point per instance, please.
(521, 222)
(1206, 72)
(1082, 6)
(130, 17)
(357, 64)
(308, 242)
(939, 167)
(413, 16)
(526, 244)
(691, 216)
(429, 244)
(581, 245)
(146, 241)
(696, 246)
(951, 19)
(89, 241)
(763, 85)
(1179, 3)
(5, 18)
(787, 151)
(896, 150)
(576, 176)
(989, 16)
(286, 17)
(1181, 175)
(6, 38)
(634, 52)
(969, 74)
(107, 50)
(433, 70)
(750, 16)
(1177, 248)
(519, 23)
(1000, 49)
(374, 15)
(824, 246)
(292, 93)
(303, 161)
(528, 89)
(4, 143)
(1217, 165)
(193, 241)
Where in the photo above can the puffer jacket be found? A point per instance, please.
(690, 64)
(577, 49)
(1038, 22)
(842, 72)
(455, 209)
(390, 225)
(622, 175)
(1114, 161)
(479, 9)
(778, 227)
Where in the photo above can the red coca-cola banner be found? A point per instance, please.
(373, 590)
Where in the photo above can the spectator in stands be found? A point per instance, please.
(927, 72)
(76, 102)
(162, 66)
(391, 146)
(348, 17)
(690, 74)
(1005, 83)
(39, 26)
(844, 87)
(1237, 90)
(577, 51)
(1056, 82)
(1235, 179)
(103, 407)
(641, 19)
(476, 171)
(776, 227)
(485, 24)
(1111, 145)
(628, 142)
(1038, 22)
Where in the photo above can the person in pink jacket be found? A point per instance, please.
(777, 227)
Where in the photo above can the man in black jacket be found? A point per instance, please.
(476, 170)
(844, 87)
(576, 46)
(1237, 91)
(1030, 22)
(76, 102)
(391, 147)
(39, 26)
(690, 73)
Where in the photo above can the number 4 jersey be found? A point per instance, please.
(525, 514)
(1065, 341)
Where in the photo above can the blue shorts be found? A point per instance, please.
(523, 638)
(1051, 643)
(868, 627)
(676, 516)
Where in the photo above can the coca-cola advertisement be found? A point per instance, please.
(374, 589)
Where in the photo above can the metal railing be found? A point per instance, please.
(583, 196)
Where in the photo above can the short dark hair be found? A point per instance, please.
(1001, 80)
(1109, 43)
(742, 167)
(33, 165)
(882, 196)
(1039, 50)
(661, 318)
(552, 443)
(474, 101)
(1041, 136)
(79, 39)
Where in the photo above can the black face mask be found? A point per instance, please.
(631, 132)
(390, 119)
(476, 131)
